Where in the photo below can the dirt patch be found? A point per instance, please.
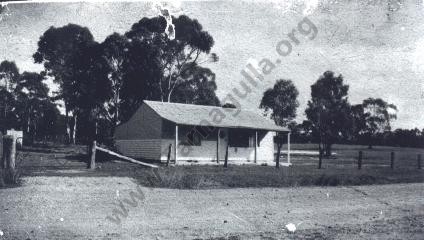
(77, 208)
(410, 227)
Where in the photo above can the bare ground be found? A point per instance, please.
(76, 208)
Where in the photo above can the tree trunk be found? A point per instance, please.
(370, 140)
(327, 149)
(279, 146)
(29, 137)
(5, 118)
(319, 156)
(95, 128)
(68, 127)
(34, 132)
(92, 133)
(95, 132)
(116, 110)
(29, 122)
(74, 134)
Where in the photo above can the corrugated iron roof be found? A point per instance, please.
(199, 115)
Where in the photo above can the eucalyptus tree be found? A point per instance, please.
(59, 50)
(280, 103)
(329, 110)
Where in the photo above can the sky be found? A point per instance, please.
(376, 45)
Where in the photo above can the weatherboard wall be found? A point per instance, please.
(140, 137)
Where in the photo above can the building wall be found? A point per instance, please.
(144, 124)
(206, 153)
(140, 148)
(140, 137)
(266, 149)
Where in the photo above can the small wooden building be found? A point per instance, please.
(194, 133)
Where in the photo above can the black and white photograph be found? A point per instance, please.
(211, 119)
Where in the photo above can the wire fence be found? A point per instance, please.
(358, 157)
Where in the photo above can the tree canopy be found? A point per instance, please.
(63, 51)
(111, 79)
(372, 117)
(281, 101)
(378, 114)
(145, 63)
(329, 109)
(26, 102)
(173, 58)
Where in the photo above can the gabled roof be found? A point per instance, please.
(199, 115)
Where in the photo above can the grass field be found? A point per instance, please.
(340, 169)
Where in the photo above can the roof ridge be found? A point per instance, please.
(210, 106)
(185, 104)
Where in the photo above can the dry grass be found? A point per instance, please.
(340, 170)
(205, 177)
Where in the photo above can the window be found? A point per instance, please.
(191, 137)
(252, 141)
(239, 138)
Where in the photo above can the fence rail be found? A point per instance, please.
(362, 158)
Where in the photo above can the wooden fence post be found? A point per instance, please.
(277, 161)
(1, 150)
(360, 160)
(3, 154)
(93, 155)
(277, 157)
(226, 157)
(320, 158)
(169, 155)
(9, 152)
(419, 161)
(392, 160)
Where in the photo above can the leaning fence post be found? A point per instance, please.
(93, 156)
(419, 161)
(392, 160)
(360, 160)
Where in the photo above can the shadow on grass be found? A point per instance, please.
(77, 158)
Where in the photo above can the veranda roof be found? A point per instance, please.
(200, 115)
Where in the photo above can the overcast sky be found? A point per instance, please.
(377, 45)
